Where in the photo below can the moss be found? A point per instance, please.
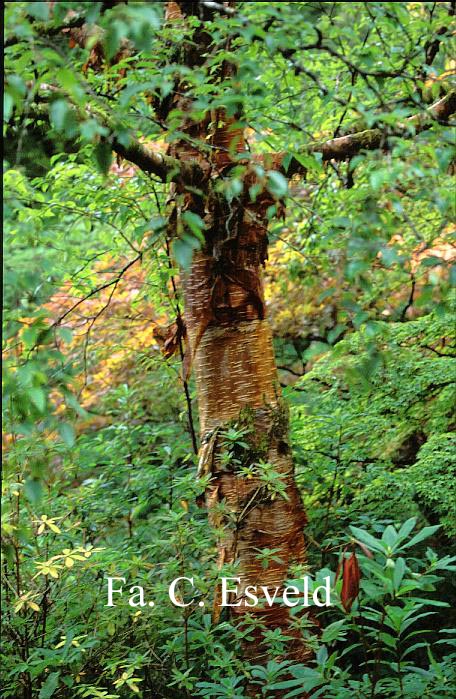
(261, 430)
(246, 417)
(280, 420)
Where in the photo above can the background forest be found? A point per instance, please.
(101, 430)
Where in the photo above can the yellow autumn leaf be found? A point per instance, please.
(184, 504)
(8, 528)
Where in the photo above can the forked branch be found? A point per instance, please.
(166, 168)
(350, 145)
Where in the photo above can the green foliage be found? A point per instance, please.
(437, 494)
(370, 415)
(385, 627)
(99, 476)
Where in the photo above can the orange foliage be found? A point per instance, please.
(110, 329)
(296, 308)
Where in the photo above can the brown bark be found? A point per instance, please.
(230, 349)
(237, 385)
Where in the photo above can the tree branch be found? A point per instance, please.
(432, 46)
(168, 169)
(163, 166)
(50, 29)
(220, 7)
(47, 29)
(350, 145)
(112, 282)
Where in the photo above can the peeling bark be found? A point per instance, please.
(237, 384)
(229, 347)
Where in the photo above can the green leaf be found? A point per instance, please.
(390, 641)
(66, 334)
(157, 223)
(309, 161)
(195, 223)
(421, 536)
(399, 570)
(50, 685)
(286, 160)
(113, 38)
(90, 128)
(70, 84)
(452, 276)
(368, 539)
(58, 112)
(389, 536)
(38, 398)
(406, 528)
(306, 680)
(182, 249)
(103, 156)
(67, 433)
(333, 631)
(8, 104)
(33, 490)
(277, 184)
(39, 10)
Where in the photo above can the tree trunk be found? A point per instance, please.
(237, 387)
(252, 498)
